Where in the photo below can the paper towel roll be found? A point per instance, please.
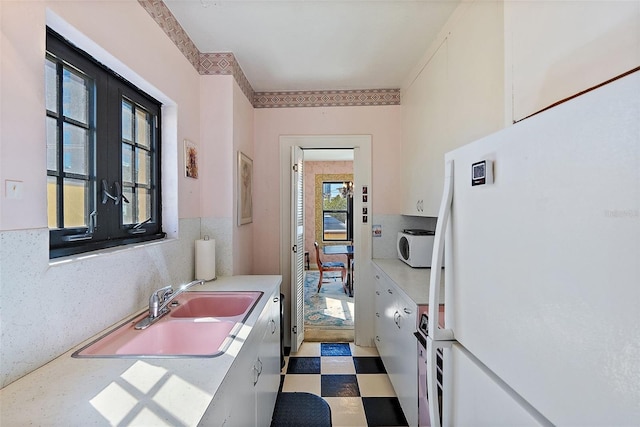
(205, 259)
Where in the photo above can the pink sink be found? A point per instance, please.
(203, 324)
(215, 304)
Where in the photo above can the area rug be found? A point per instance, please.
(330, 308)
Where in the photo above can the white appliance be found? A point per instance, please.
(542, 284)
(415, 247)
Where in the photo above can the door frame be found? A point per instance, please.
(361, 144)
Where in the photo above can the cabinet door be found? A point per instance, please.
(583, 44)
(424, 133)
(385, 311)
(406, 374)
(268, 365)
(239, 386)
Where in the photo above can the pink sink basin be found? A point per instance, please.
(203, 325)
(215, 304)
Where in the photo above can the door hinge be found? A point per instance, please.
(295, 167)
(294, 329)
(295, 249)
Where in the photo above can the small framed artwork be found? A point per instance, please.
(190, 159)
(245, 189)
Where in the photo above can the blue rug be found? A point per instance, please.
(330, 308)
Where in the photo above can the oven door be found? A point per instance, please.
(423, 403)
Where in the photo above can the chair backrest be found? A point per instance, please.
(318, 260)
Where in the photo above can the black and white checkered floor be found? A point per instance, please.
(351, 379)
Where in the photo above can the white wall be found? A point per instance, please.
(47, 308)
(580, 44)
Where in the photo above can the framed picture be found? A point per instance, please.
(190, 159)
(245, 189)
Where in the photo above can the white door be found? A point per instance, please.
(297, 249)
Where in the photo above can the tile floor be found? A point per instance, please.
(351, 379)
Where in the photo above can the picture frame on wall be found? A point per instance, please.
(190, 159)
(245, 189)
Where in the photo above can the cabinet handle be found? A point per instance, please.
(407, 311)
(377, 277)
(377, 314)
(273, 326)
(377, 292)
(390, 291)
(276, 299)
(257, 371)
(377, 338)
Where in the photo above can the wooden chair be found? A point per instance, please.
(328, 266)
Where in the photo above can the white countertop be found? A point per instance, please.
(139, 391)
(413, 281)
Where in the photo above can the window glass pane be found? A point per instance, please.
(143, 162)
(51, 86)
(52, 144)
(127, 165)
(74, 194)
(127, 121)
(75, 149)
(127, 208)
(332, 198)
(75, 96)
(144, 204)
(143, 128)
(52, 202)
(335, 226)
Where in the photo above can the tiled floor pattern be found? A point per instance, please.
(351, 379)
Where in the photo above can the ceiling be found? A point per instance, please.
(316, 45)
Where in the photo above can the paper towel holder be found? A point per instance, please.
(205, 273)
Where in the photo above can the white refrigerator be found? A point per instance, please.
(540, 228)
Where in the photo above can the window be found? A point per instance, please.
(103, 155)
(337, 207)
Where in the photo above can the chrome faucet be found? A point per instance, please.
(159, 303)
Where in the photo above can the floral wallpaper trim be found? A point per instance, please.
(222, 63)
(172, 28)
(225, 63)
(327, 98)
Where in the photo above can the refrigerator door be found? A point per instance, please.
(478, 398)
(545, 274)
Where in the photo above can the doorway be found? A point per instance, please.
(291, 259)
(329, 307)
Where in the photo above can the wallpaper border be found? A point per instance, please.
(225, 63)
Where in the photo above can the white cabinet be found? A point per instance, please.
(424, 138)
(456, 98)
(267, 365)
(396, 320)
(248, 393)
(583, 44)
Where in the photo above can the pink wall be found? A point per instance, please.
(216, 144)
(139, 43)
(243, 116)
(383, 123)
(311, 169)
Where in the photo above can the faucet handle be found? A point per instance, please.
(164, 293)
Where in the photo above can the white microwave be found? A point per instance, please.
(415, 247)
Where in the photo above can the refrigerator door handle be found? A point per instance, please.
(434, 331)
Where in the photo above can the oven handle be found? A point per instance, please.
(432, 380)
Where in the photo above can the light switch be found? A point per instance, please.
(13, 189)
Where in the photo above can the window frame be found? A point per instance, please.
(348, 211)
(105, 228)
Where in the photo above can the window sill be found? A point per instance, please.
(64, 260)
